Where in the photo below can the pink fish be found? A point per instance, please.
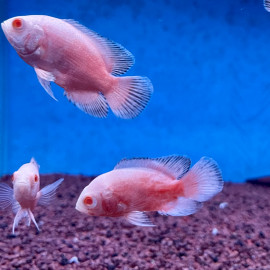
(162, 184)
(85, 64)
(25, 194)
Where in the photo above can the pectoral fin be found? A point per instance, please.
(7, 199)
(6, 196)
(47, 194)
(45, 77)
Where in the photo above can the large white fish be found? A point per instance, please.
(25, 194)
(139, 185)
(85, 64)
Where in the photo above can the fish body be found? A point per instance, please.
(26, 193)
(85, 64)
(163, 184)
(26, 184)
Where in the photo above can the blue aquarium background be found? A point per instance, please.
(208, 60)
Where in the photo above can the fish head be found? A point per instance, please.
(90, 200)
(24, 34)
(88, 203)
(26, 180)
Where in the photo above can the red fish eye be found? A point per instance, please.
(17, 23)
(12, 177)
(88, 200)
(36, 178)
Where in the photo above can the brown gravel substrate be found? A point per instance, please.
(242, 241)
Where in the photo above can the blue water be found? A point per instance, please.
(209, 64)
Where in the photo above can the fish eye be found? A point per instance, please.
(36, 178)
(17, 23)
(90, 202)
(12, 177)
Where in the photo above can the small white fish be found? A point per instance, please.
(26, 193)
(85, 64)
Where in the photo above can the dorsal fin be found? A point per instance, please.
(175, 166)
(33, 161)
(118, 59)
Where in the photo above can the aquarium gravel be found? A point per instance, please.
(231, 231)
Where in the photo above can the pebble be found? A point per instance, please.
(223, 205)
(74, 260)
(215, 231)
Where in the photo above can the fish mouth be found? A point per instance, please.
(4, 27)
(78, 208)
(81, 209)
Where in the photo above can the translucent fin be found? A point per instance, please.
(20, 215)
(93, 103)
(266, 4)
(6, 196)
(181, 207)
(118, 59)
(23, 213)
(47, 194)
(130, 96)
(139, 218)
(174, 166)
(33, 161)
(203, 181)
(33, 218)
(27, 220)
(15, 206)
(45, 77)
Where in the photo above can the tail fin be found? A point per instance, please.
(130, 96)
(23, 213)
(203, 181)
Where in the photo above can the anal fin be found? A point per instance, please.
(45, 77)
(90, 102)
(181, 207)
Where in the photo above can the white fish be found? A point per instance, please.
(140, 185)
(26, 193)
(85, 64)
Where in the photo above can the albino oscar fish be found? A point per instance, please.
(82, 62)
(26, 193)
(139, 185)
